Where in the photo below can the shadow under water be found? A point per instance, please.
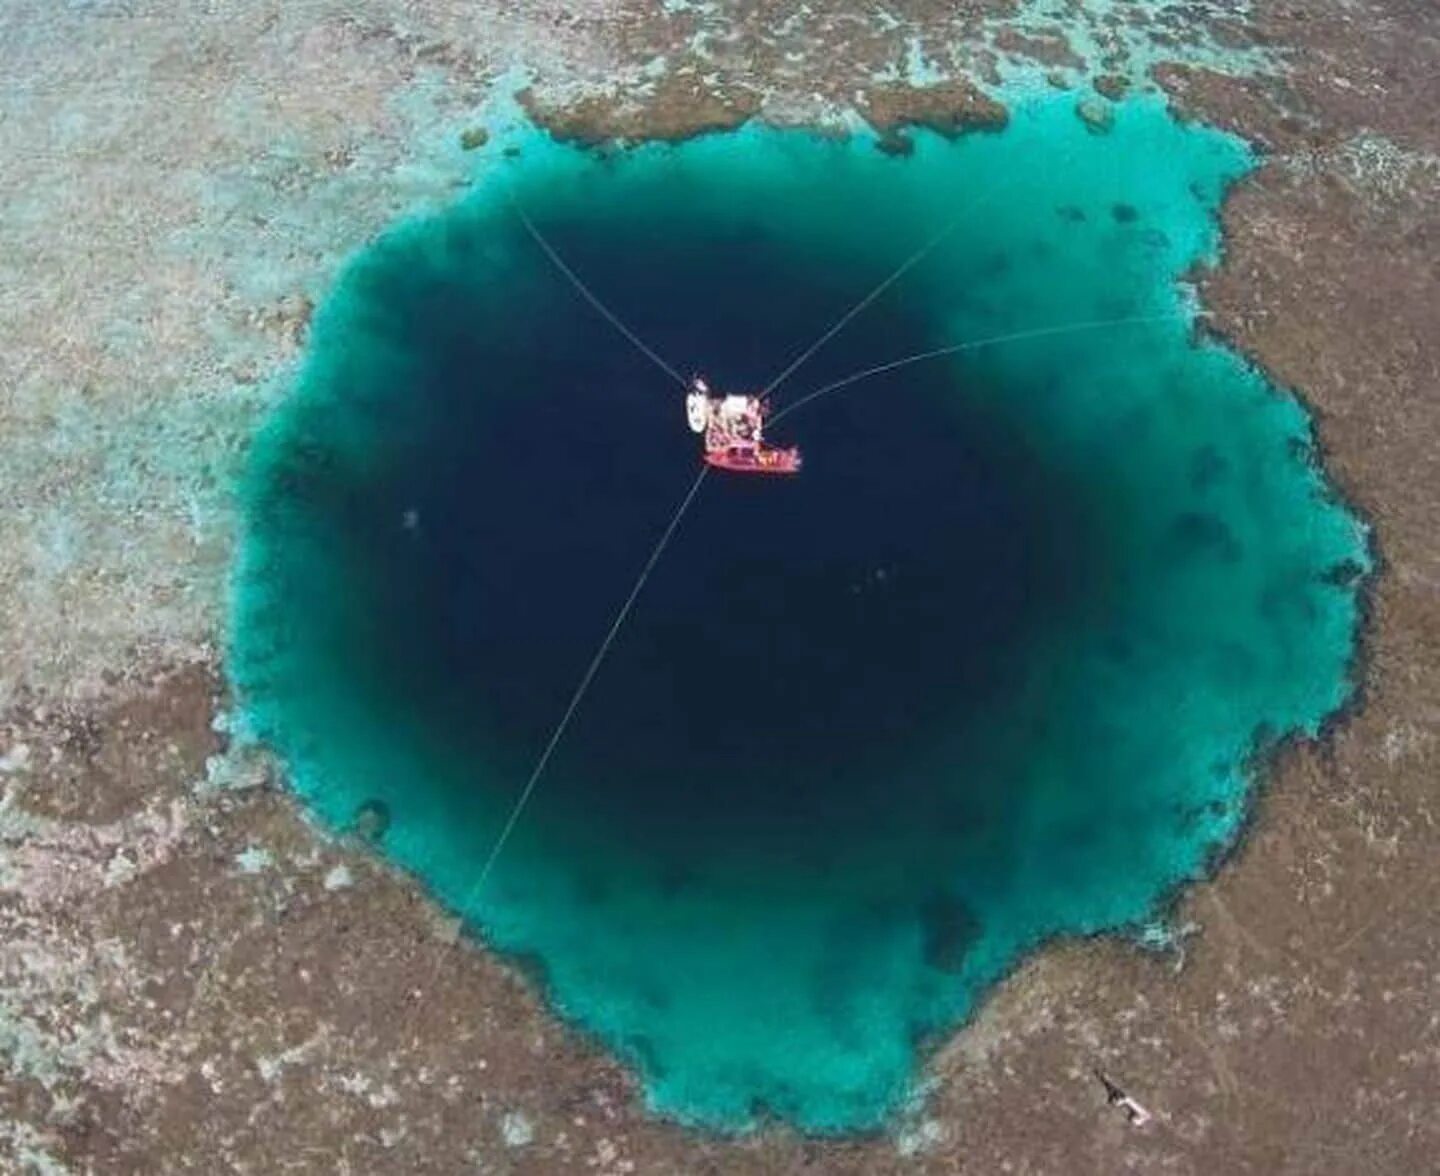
(988, 671)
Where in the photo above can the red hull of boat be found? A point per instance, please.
(751, 461)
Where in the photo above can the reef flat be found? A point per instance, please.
(199, 977)
(996, 667)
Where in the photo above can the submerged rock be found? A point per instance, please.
(1111, 86)
(1097, 115)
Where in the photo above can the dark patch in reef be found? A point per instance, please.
(950, 929)
(372, 821)
(994, 668)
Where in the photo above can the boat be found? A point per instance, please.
(733, 428)
(762, 459)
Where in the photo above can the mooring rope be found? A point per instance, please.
(591, 297)
(523, 799)
(840, 324)
(620, 617)
(900, 271)
(971, 345)
(525, 793)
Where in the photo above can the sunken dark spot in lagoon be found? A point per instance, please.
(993, 668)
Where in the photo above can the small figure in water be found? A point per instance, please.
(733, 427)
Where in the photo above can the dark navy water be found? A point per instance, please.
(993, 668)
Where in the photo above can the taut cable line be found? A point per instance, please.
(525, 793)
(920, 254)
(524, 797)
(972, 345)
(592, 298)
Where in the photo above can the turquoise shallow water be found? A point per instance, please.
(997, 667)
